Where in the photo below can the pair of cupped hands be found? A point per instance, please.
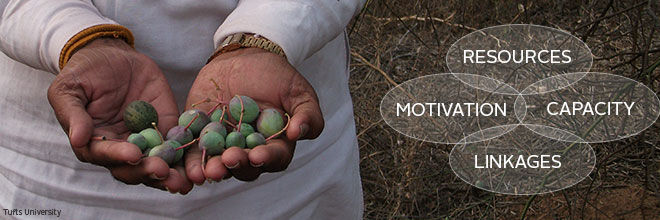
(101, 78)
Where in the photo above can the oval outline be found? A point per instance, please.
(482, 89)
(591, 62)
(595, 160)
(584, 74)
(380, 110)
(620, 138)
(513, 126)
(524, 114)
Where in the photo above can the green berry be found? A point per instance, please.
(235, 139)
(138, 140)
(152, 137)
(255, 139)
(165, 152)
(270, 122)
(139, 115)
(215, 116)
(213, 142)
(249, 105)
(180, 134)
(179, 153)
(198, 124)
(216, 127)
(246, 129)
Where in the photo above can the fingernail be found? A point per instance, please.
(168, 189)
(303, 131)
(134, 163)
(153, 176)
(233, 166)
(256, 165)
(199, 184)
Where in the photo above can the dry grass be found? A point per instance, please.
(394, 41)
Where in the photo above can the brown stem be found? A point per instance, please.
(207, 99)
(157, 131)
(204, 161)
(213, 109)
(224, 110)
(191, 122)
(104, 138)
(240, 119)
(288, 119)
(229, 123)
(217, 90)
(187, 144)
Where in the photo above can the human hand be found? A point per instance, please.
(88, 96)
(273, 83)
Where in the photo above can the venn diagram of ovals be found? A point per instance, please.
(520, 113)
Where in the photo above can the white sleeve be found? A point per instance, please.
(300, 27)
(35, 31)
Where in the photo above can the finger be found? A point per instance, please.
(175, 182)
(304, 126)
(236, 160)
(193, 165)
(68, 100)
(150, 169)
(215, 170)
(275, 156)
(307, 119)
(111, 153)
(172, 184)
(187, 184)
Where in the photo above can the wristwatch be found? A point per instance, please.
(243, 40)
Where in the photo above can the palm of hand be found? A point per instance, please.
(272, 83)
(112, 89)
(88, 97)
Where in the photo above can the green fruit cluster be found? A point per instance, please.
(215, 138)
(212, 132)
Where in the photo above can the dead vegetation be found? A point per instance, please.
(394, 41)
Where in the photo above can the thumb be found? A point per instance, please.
(68, 101)
(307, 120)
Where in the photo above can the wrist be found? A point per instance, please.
(105, 45)
(247, 40)
(246, 51)
(107, 42)
(85, 37)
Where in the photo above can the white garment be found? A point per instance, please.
(38, 170)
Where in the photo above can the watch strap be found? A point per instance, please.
(245, 40)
